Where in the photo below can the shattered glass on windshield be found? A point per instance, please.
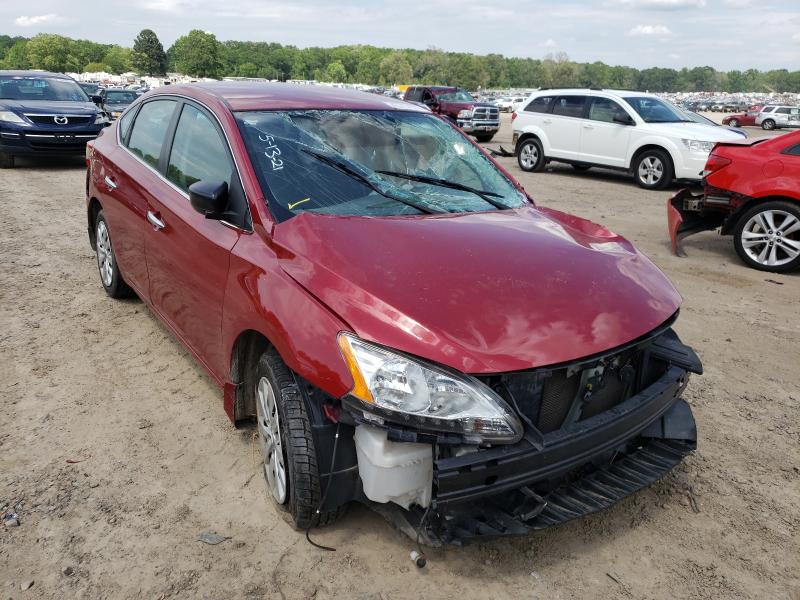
(370, 163)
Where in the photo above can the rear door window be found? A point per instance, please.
(149, 130)
(569, 106)
(540, 104)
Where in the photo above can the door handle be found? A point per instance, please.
(155, 221)
(110, 183)
(588, 126)
(547, 121)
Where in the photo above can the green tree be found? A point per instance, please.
(52, 53)
(395, 69)
(248, 69)
(118, 59)
(94, 67)
(198, 54)
(336, 72)
(17, 56)
(148, 54)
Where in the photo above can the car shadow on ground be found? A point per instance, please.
(50, 162)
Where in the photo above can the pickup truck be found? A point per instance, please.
(479, 119)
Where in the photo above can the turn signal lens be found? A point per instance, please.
(360, 388)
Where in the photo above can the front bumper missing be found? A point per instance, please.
(687, 215)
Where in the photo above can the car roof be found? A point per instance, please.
(590, 91)
(15, 73)
(247, 95)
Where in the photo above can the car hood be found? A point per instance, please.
(694, 131)
(50, 107)
(480, 292)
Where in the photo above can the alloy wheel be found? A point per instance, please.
(105, 257)
(772, 238)
(651, 170)
(269, 437)
(529, 156)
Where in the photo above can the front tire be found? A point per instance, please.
(768, 125)
(530, 156)
(6, 160)
(110, 276)
(653, 169)
(733, 123)
(767, 237)
(287, 446)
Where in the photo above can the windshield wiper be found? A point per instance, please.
(342, 166)
(486, 196)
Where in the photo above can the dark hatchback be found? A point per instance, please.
(44, 114)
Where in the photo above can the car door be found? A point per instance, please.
(188, 254)
(563, 127)
(603, 141)
(127, 181)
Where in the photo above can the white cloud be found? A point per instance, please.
(26, 21)
(796, 37)
(164, 5)
(663, 4)
(659, 30)
(551, 43)
(674, 56)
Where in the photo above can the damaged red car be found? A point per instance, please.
(752, 192)
(403, 324)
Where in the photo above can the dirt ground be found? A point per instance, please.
(116, 454)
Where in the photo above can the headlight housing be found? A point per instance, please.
(101, 118)
(423, 395)
(465, 114)
(8, 116)
(698, 146)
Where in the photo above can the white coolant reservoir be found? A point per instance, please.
(396, 472)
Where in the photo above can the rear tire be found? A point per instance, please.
(653, 169)
(284, 427)
(6, 160)
(110, 275)
(769, 233)
(768, 125)
(733, 123)
(530, 156)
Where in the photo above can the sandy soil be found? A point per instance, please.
(116, 453)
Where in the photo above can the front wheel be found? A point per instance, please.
(287, 446)
(769, 124)
(530, 156)
(110, 275)
(733, 123)
(485, 137)
(6, 160)
(767, 237)
(653, 169)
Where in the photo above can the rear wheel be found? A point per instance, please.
(733, 123)
(530, 155)
(769, 124)
(110, 275)
(653, 169)
(6, 160)
(287, 446)
(767, 237)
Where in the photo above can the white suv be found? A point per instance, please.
(629, 131)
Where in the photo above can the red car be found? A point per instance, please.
(404, 325)
(752, 191)
(745, 119)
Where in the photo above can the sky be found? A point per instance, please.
(725, 34)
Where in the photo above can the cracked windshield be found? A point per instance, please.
(370, 163)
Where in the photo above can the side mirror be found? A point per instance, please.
(209, 198)
(96, 98)
(623, 119)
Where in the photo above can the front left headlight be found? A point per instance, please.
(101, 118)
(465, 114)
(8, 116)
(426, 396)
(698, 146)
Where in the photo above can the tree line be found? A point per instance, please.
(200, 54)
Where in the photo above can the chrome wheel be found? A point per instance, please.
(733, 123)
(529, 156)
(269, 437)
(105, 257)
(771, 238)
(651, 170)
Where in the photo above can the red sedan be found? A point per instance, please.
(745, 119)
(751, 191)
(401, 321)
